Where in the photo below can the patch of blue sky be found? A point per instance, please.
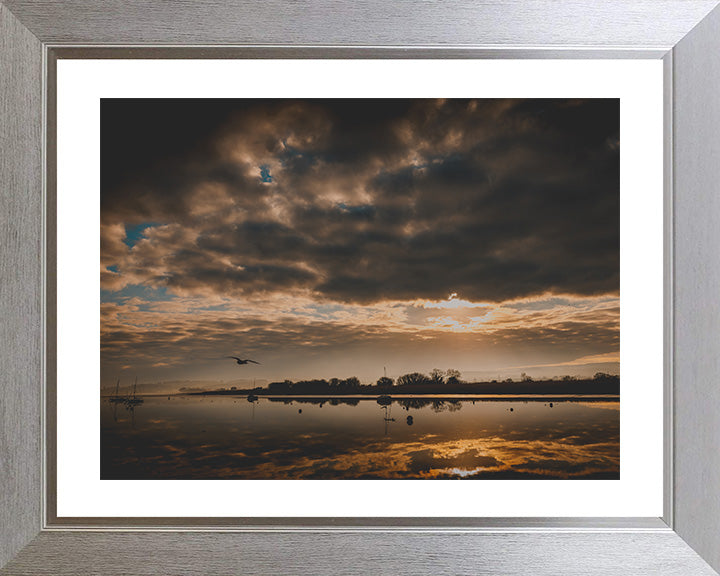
(133, 234)
(216, 308)
(112, 268)
(321, 311)
(144, 293)
(265, 173)
(554, 301)
(329, 308)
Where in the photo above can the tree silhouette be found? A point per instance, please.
(385, 382)
(452, 377)
(412, 379)
(437, 376)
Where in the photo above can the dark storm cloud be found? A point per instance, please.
(363, 201)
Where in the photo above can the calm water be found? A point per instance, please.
(225, 437)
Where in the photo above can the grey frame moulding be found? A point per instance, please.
(685, 33)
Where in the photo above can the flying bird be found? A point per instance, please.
(241, 361)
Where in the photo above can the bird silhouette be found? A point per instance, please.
(241, 361)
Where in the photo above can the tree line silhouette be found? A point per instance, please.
(437, 382)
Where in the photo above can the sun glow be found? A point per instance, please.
(454, 325)
(452, 303)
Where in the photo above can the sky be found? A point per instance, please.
(338, 238)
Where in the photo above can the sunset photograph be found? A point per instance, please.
(360, 289)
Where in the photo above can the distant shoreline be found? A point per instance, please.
(607, 385)
(604, 386)
(541, 397)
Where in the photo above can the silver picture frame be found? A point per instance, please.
(685, 34)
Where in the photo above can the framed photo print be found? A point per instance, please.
(448, 300)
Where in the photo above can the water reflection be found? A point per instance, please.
(225, 437)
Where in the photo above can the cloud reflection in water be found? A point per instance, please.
(194, 438)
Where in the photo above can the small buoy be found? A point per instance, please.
(550, 404)
(300, 411)
(511, 409)
(409, 420)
